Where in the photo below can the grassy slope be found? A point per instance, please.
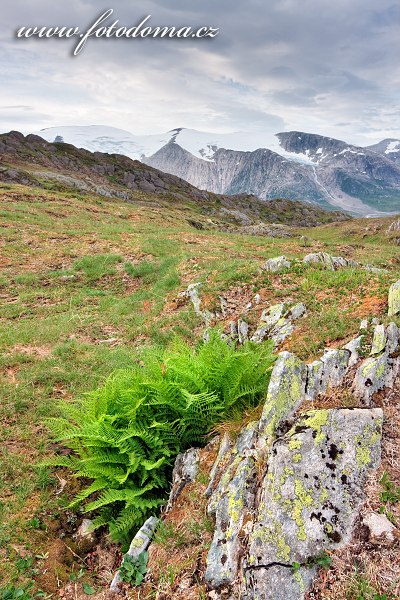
(85, 280)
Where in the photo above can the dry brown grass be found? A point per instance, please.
(177, 557)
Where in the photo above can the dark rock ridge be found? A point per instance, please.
(32, 161)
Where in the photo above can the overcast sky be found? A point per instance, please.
(325, 66)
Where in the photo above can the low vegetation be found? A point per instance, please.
(126, 435)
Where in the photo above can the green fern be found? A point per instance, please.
(125, 436)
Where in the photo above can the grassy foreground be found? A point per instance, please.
(85, 281)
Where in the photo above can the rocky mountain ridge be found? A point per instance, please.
(33, 161)
(303, 166)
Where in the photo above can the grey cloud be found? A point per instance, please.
(281, 63)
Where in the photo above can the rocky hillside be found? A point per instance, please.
(32, 161)
(289, 492)
(298, 165)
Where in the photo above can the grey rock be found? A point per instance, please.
(233, 509)
(394, 299)
(378, 340)
(233, 329)
(354, 347)
(319, 258)
(297, 311)
(375, 321)
(185, 471)
(394, 227)
(85, 531)
(375, 270)
(335, 366)
(393, 338)
(381, 530)
(224, 305)
(313, 489)
(278, 582)
(243, 331)
(364, 324)
(315, 380)
(193, 293)
(277, 265)
(260, 334)
(139, 544)
(372, 375)
(286, 391)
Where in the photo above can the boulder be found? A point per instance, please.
(394, 299)
(276, 265)
(286, 391)
(381, 532)
(312, 492)
(354, 347)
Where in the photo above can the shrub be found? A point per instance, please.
(126, 435)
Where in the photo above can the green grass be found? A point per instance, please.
(85, 281)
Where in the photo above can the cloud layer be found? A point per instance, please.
(311, 65)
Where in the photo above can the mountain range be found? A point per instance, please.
(331, 173)
(62, 168)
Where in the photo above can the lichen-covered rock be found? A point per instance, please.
(276, 322)
(185, 471)
(193, 293)
(270, 316)
(327, 372)
(286, 391)
(315, 379)
(278, 582)
(336, 363)
(378, 340)
(314, 486)
(233, 509)
(276, 265)
(224, 450)
(394, 299)
(354, 347)
(228, 459)
(372, 375)
(243, 331)
(139, 544)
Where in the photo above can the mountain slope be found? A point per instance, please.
(33, 161)
(303, 166)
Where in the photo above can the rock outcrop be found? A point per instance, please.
(291, 486)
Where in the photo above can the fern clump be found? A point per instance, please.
(125, 436)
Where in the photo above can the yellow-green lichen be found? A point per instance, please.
(317, 419)
(294, 444)
(365, 442)
(303, 500)
(274, 535)
(297, 458)
(297, 576)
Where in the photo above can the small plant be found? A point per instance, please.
(322, 560)
(134, 569)
(391, 491)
